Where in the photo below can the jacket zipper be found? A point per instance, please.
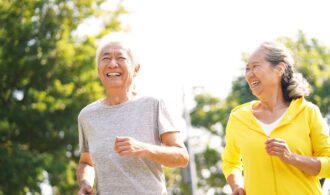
(274, 173)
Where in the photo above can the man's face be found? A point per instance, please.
(115, 67)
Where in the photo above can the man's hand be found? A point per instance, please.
(85, 189)
(85, 174)
(172, 154)
(127, 146)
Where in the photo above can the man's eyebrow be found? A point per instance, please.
(105, 54)
(121, 53)
(116, 53)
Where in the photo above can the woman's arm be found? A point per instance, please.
(236, 184)
(308, 164)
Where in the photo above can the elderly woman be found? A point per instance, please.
(125, 138)
(281, 141)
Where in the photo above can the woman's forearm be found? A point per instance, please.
(235, 181)
(307, 164)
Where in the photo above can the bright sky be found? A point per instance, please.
(187, 43)
(199, 42)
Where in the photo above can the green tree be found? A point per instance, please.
(312, 60)
(47, 74)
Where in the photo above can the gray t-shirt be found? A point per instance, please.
(144, 119)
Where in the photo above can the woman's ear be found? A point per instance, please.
(280, 68)
(136, 69)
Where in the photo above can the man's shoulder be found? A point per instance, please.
(148, 99)
(92, 107)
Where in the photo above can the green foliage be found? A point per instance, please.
(174, 181)
(312, 60)
(208, 111)
(46, 76)
(209, 161)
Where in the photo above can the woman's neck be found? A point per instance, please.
(272, 102)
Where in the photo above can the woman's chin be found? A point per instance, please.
(256, 93)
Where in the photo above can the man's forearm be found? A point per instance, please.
(85, 174)
(170, 156)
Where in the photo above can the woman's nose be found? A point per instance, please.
(248, 73)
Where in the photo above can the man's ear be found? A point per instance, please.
(98, 72)
(136, 69)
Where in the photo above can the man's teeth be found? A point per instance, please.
(112, 74)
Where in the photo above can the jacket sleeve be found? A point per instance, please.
(231, 155)
(320, 141)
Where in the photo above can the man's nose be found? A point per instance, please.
(113, 63)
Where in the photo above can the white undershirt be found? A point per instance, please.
(268, 128)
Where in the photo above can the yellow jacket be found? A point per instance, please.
(305, 132)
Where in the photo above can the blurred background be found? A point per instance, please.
(192, 54)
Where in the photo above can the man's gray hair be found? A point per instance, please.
(116, 37)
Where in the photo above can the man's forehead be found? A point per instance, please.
(114, 49)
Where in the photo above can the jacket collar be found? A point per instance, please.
(243, 113)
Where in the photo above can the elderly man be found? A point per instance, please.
(125, 138)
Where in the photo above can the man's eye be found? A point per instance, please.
(106, 59)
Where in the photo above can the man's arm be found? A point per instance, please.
(85, 174)
(172, 154)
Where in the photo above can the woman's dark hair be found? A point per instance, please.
(294, 85)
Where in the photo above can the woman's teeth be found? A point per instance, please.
(254, 83)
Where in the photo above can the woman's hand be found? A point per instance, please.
(310, 165)
(238, 191)
(278, 147)
(236, 184)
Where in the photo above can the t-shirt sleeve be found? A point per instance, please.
(83, 143)
(165, 122)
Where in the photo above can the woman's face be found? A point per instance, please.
(261, 75)
(115, 67)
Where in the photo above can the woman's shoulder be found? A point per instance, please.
(303, 103)
(243, 107)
